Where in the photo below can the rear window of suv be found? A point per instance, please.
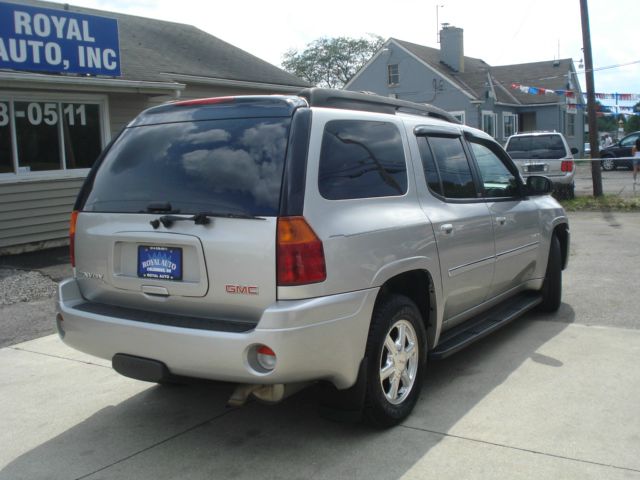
(225, 166)
(546, 147)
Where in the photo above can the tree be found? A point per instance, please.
(331, 62)
(633, 123)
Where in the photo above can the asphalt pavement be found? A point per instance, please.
(550, 396)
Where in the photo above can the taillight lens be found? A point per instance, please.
(566, 166)
(72, 236)
(300, 253)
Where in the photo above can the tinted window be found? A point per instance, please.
(455, 173)
(361, 159)
(629, 141)
(497, 180)
(227, 166)
(429, 166)
(547, 147)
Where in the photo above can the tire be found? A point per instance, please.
(394, 375)
(552, 285)
(608, 164)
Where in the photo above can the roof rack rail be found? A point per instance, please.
(343, 99)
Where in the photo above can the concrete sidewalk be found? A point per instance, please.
(538, 399)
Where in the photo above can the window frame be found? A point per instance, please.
(429, 132)
(505, 116)
(11, 97)
(506, 161)
(572, 116)
(494, 117)
(460, 115)
(396, 74)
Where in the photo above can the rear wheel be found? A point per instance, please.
(552, 286)
(396, 348)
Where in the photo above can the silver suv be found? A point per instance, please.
(330, 238)
(548, 154)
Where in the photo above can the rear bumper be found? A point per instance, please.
(314, 339)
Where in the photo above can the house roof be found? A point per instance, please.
(479, 75)
(150, 49)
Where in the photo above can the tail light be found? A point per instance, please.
(204, 101)
(300, 253)
(72, 236)
(566, 166)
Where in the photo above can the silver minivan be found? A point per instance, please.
(329, 238)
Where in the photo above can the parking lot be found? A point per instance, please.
(550, 396)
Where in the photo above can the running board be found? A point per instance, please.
(479, 327)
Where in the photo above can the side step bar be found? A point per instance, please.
(479, 327)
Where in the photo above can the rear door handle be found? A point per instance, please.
(446, 227)
(501, 220)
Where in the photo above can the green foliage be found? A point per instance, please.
(331, 62)
(633, 123)
(604, 203)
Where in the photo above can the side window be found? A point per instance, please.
(429, 166)
(361, 159)
(453, 167)
(497, 180)
(629, 141)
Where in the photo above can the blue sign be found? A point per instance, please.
(42, 39)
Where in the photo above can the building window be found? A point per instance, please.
(489, 122)
(394, 74)
(460, 116)
(570, 124)
(509, 124)
(47, 133)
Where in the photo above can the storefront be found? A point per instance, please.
(72, 78)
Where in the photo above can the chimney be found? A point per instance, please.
(452, 47)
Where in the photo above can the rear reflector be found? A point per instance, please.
(300, 253)
(266, 357)
(566, 166)
(72, 237)
(204, 101)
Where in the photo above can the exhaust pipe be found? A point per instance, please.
(265, 393)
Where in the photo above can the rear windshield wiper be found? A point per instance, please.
(201, 218)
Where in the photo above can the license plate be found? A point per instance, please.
(538, 167)
(161, 263)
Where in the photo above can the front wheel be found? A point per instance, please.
(396, 348)
(552, 286)
(608, 164)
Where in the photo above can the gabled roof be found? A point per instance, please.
(150, 49)
(478, 76)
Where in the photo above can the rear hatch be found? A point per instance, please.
(180, 216)
(540, 154)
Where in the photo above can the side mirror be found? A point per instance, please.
(537, 185)
(574, 150)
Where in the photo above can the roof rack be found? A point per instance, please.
(330, 98)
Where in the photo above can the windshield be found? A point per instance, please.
(547, 147)
(231, 165)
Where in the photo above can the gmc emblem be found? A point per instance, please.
(241, 290)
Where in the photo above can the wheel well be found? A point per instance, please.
(418, 286)
(562, 232)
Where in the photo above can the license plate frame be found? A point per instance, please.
(536, 168)
(158, 262)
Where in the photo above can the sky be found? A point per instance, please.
(500, 32)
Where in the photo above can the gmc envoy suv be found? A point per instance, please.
(332, 238)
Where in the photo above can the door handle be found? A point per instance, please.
(501, 220)
(446, 227)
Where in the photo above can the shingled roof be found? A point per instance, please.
(150, 49)
(478, 75)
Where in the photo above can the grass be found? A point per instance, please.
(606, 202)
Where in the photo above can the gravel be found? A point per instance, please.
(21, 286)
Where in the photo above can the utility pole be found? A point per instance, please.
(596, 173)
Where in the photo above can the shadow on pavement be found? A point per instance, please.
(187, 432)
